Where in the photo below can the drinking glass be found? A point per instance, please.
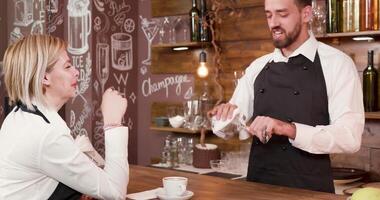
(193, 114)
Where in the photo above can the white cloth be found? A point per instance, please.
(145, 195)
(35, 156)
(345, 99)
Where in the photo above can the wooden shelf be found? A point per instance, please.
(372, 115)
(181, 44)
(174, 130)
(350, 34)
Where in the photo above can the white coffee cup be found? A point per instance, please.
(174, 186)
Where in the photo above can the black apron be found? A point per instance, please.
(61, 192)
(292, 92)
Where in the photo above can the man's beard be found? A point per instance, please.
(289, 38)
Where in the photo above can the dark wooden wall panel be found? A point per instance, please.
(170, 7)
(162, 8)
(167, 61)
(251, 24)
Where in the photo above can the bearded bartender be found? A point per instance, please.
(305, 100)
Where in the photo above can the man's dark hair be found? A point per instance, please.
(303, 3)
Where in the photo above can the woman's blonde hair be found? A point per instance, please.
(25, 64)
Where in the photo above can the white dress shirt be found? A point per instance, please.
(35, 156)
(344, 92)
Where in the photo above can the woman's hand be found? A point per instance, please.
(113, 107)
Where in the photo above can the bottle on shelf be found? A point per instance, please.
(332, 7)
(204, 30)
(369, 15)
(194, 22)
(370, 85)
(348, 20)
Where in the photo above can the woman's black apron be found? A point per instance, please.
(62, 191)
(292, 92)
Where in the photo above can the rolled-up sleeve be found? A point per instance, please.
(345, 98)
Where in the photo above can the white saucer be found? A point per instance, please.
(162, 195)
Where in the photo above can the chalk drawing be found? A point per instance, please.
(97, 23)
(78, 127)
(148, 88)
(42, 12)
(143, 70)
(99, 5)
(96, 87)
(102, 63)
(84, 79)
(23, 12)
(129, 25)
(132, 97)
(54, 22)
(150, 29)
(15, 35)
(79, 26)
(121, 51)
(37, 27)
(72, 119)
(188, 93)
(130, 124)
(53, 6)
(121, 79)
(116, 9)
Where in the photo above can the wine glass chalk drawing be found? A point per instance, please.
(150, 29)
(102, 63)
(79, 27)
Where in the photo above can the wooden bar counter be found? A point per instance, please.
(210, 188)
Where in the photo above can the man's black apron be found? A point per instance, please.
(292, 92)
(62, 191)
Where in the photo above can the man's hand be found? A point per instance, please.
(264, 127)
(222, 111)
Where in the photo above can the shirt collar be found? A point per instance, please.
(307, 49)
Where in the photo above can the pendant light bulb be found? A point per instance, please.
(202, 70)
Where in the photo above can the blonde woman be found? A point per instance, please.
(38, 157)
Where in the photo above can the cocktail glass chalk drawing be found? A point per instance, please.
(79, 27)
(150, 29)
(122, 55)
(23, 12)
(102, 63)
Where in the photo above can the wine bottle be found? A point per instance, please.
(194, 22)
(332, 16)
(204, 31)
(370, 83)
(368, 8)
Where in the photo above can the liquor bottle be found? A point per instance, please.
(370, 82)
(204, 31)
(356, 15)
(376, 20)
(194, 22)
(368, 9)
(348, 17)
(332, 16)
